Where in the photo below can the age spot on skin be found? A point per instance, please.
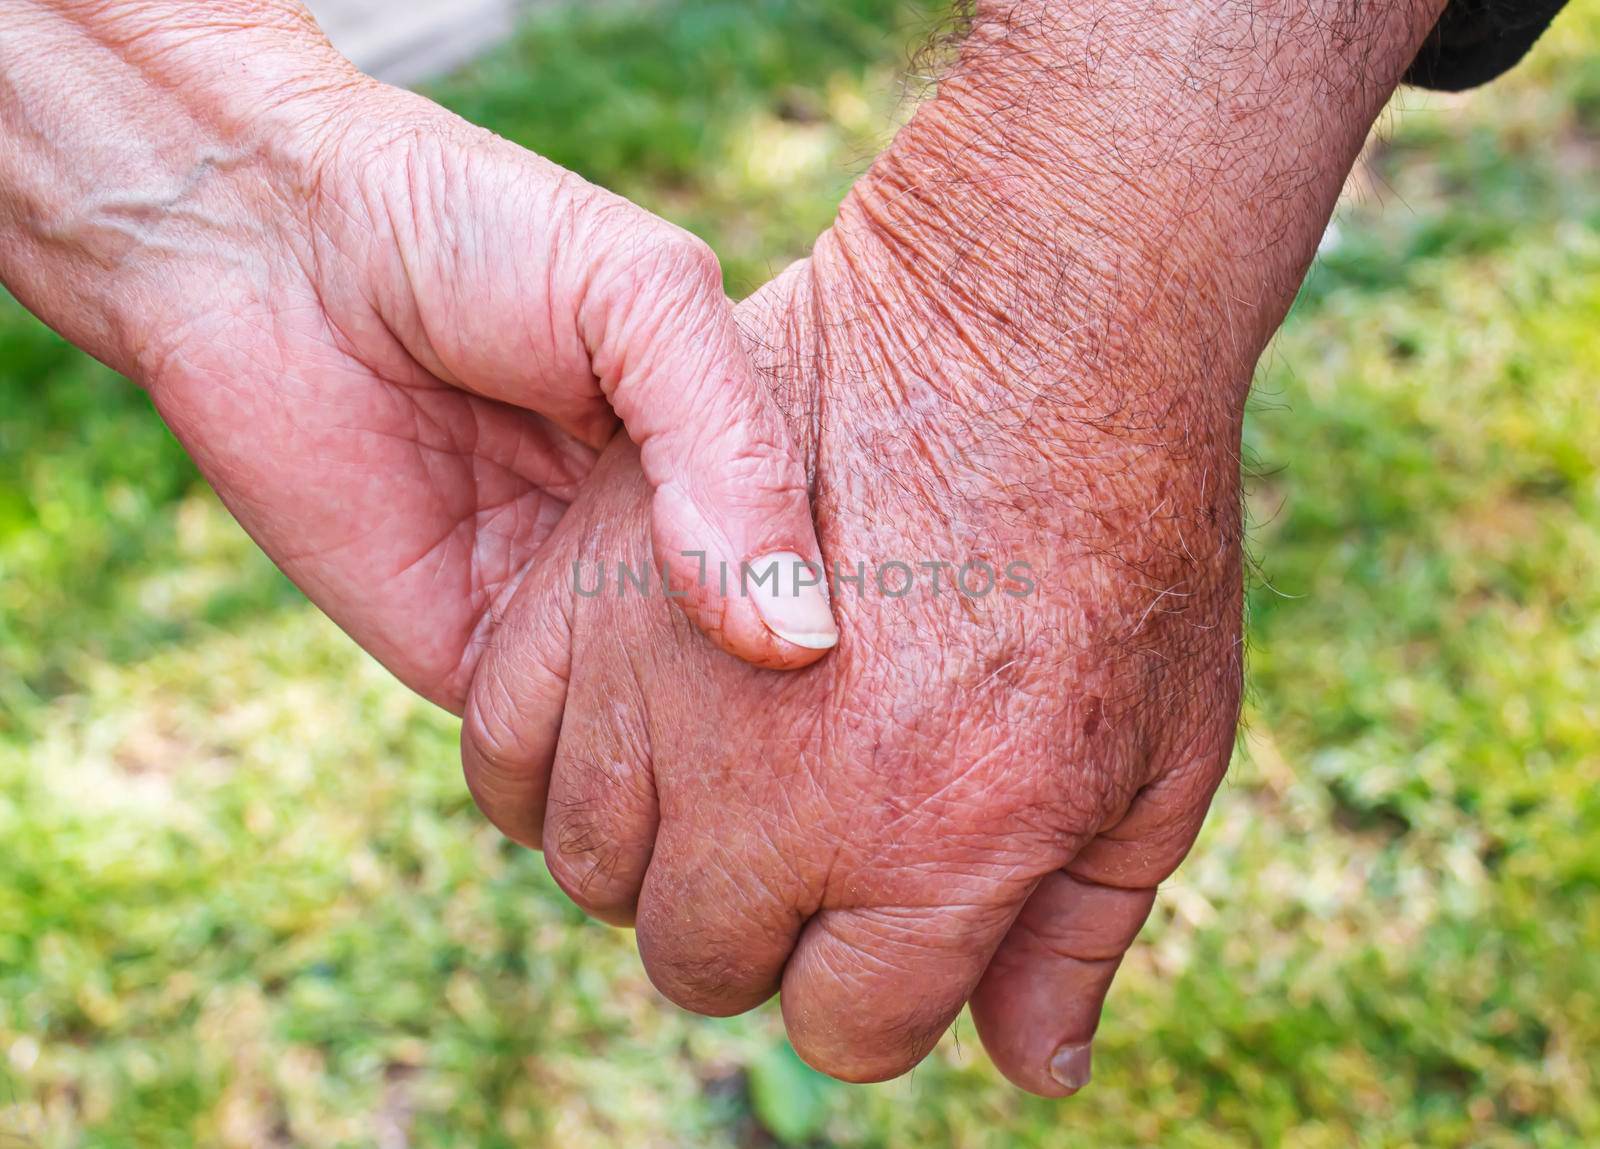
(1091, 719)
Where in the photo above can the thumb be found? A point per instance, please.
(518, 281)
(731, 518)
(1038, 1005)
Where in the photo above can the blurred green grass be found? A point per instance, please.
(244, 900)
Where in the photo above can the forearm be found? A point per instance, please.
(127, 135)
(1139, 184)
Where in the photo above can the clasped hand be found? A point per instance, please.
(435, 376)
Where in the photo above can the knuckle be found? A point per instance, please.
(702, 978)
(583, 862)
(489, 727)
(855, 1067)
(713, 933)
(688, 259)
(881, 987)
(753, 476)
(1073, 943)
(657, 290)
(595, 844)
(1100, 924)
(502, 773)
(862, 1049)
(648, 250)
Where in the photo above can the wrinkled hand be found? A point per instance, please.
(461, 332)
(1028, 338)
(977, 793)
(393, 341)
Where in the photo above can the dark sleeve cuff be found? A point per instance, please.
(1477, 40)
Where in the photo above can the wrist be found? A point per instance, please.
(161, 153)
(1142, 186)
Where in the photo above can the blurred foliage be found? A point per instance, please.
(743, 120)
(244, 900)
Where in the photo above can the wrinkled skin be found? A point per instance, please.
(1028, 337)
(392, 341)
(1028, 341)
(435, 406)
(959, 761)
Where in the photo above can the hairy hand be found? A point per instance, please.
(984, 775)
(1027, 340)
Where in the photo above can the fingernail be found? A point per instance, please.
(792, 605)
(1070, 1065)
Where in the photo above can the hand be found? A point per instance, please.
(986, 360)
(392, 341)
(868, 831)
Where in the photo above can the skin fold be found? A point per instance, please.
(392, 341)
(1029, 335)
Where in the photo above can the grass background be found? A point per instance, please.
(245, 901)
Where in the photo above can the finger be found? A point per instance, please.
(718, 917)
(732, 520)
(600, 819)
(513, 717)
(1039, 1004)
(869, 992)
(521, 282)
